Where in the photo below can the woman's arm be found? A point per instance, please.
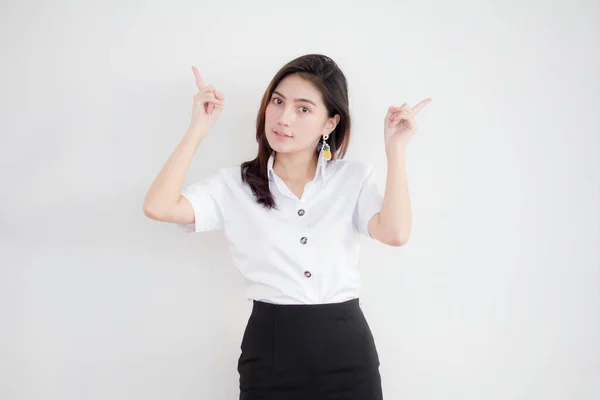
(163, 201)
(392, 225)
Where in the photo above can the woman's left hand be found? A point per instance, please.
(400, 125)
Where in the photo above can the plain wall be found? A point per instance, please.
(495, 296)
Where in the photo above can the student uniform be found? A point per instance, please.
(306, 337)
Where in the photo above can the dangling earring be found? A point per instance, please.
(326, 149)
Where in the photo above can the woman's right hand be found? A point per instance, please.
(207, 105)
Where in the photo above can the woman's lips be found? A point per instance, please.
(280, 136)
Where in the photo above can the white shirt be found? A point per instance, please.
(305, 252)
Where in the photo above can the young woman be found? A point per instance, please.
(293, 217)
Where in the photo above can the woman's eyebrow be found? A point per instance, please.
(296, 100)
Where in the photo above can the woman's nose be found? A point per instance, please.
(285, 117)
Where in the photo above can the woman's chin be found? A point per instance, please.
(280, 147)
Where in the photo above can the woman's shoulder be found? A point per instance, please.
(232, 176)
(230, 173)
(344, 163)
(349, 168)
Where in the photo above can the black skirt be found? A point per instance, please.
(312, 352)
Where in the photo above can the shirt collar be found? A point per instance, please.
(321, 165)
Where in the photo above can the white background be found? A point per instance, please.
(495, 296)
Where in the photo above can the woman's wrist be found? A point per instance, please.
(197, 129)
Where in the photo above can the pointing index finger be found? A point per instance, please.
(419, 106)
(199, 81)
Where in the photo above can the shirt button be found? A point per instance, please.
(303, 240)
(301, 212)
(307, 274)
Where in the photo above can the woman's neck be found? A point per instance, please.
(295, 167)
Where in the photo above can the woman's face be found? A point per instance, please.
(296, 110)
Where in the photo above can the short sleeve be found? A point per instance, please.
(369, 202)
(206, 197)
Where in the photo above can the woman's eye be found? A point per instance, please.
(278, 101)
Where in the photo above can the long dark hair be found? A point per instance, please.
(327, 77)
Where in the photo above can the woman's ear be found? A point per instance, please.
(332, 123)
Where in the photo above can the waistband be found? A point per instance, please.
(328, 309)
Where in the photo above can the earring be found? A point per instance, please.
(326, 149)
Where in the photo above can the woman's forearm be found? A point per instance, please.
(395, 214)
(166, 188)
